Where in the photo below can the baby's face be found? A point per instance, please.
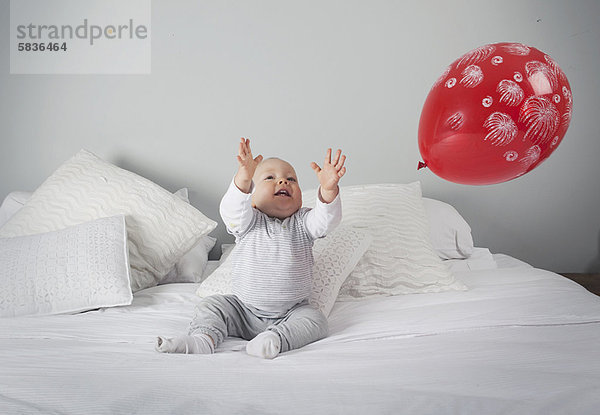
(276, 191)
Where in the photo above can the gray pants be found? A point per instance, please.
(220, 316)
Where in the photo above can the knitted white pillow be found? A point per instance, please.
(160, 226)
(79, 268)
(335, 257)
(400, 259)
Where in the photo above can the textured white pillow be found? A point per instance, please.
(449, 233)
(79, 268)
(160, 226)
(335, 257)
(400, 259)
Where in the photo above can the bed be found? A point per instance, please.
(517, 339)
(521, 340)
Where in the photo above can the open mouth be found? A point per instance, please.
(282, 192)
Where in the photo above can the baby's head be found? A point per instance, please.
(276, 191)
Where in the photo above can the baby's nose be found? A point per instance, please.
(281, 181)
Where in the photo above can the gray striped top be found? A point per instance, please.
(272, 267)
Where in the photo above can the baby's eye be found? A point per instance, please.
(269, 178)
(291, 179)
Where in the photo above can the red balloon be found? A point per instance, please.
(495, 114)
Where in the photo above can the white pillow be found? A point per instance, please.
(449, 233)
(11, 205)
(480, 259)
(225, 251)
(400, 259)
(160, 226)
(79, 268)
(335, 256)
(191, 266)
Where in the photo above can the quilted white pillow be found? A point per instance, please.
(335, 257)
(79, 268)
(160, 226)
(400, 259)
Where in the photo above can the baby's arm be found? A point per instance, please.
(327, 212)
(330, 175)
(247, 166)
(236, 205)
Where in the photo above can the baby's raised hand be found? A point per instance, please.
(330, 175)
(247, 166)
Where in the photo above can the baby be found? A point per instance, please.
(272, 267)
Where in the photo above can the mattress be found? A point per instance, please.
(520, 340)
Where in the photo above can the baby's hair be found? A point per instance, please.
(277, 158)
(273, 158)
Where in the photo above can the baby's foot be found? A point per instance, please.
(198, 344)
(266, 345)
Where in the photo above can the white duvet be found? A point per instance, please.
(521, 340)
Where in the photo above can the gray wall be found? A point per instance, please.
(298, 76)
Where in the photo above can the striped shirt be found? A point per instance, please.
(272, 267)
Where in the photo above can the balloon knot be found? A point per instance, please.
(421, 165)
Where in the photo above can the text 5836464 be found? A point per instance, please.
(42, 47)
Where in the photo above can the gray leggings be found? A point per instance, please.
(220, 316)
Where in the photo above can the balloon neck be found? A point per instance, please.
(421, 165)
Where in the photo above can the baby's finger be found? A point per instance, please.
(341, 162)
(315, 167)
(328, 156)
(243, 147)
(341, 172)
(337, 157)
(249, 150)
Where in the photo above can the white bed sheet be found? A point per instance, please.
(521, 340)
